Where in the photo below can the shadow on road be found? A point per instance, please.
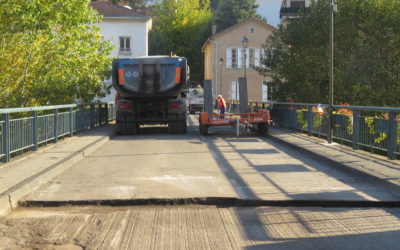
(259, 233)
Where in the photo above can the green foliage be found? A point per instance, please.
(301, 118)
(381, 136)
(50, 53)
(181, 27)
(230, 12)
(366, 54)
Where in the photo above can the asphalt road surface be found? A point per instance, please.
(219, 168)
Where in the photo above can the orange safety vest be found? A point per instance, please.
(221, 102)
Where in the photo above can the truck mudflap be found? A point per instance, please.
(130, 115)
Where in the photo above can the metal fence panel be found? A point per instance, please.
(20, 134)
(45, 128)
(27, 132)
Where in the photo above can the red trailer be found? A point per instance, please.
(261, 118)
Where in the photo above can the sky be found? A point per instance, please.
(270, 10)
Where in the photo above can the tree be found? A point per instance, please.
(230, 12)
(367, 62)
(50, 53)
(181, 27)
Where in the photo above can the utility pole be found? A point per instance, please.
(245, 42)
(332, 8)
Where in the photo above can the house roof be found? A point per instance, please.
(114, 10)
(233, 27)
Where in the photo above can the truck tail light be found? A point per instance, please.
(178, 75)
(176, 105)
(121, 77)
(125, 106)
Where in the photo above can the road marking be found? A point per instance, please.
(238, 189)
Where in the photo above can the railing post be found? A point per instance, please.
(106, 114)
(55, 129)
(310, 119)
(92, 116)
(35, 130)
(356, 129)
(81, 118)
(6, 137)
(392, 140)
(71, 121)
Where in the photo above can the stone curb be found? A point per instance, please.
(9, 199)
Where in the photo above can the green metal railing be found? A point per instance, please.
(25, 129)
(362, 127)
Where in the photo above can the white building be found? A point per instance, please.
(290, 9)
(126, 29)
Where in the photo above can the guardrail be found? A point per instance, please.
(362, 127)
(25, 129)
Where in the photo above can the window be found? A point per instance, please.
(297, 4)
(234, 58)
(124, 44)
(251, 57)
(252, 30)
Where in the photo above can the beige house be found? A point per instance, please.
(224, 57)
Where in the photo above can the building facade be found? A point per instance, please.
(126, 29)
(290, 9)
(226, 60)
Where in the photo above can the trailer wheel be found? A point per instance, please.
(262, 128)
(203, 129)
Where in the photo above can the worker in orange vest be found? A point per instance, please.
(221, 105)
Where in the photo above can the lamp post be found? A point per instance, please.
(221, 63)
(332, 7)
(245, 42)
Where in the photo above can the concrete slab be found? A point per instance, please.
(161, 166)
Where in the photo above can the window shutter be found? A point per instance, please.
(247, 58)
(234, 91)
(229, 58)
(240, 58)
(256, 57)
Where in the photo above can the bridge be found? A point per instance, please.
(68, 182)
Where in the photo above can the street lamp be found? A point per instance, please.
(333, 8)
(245, 42)
(221, 63)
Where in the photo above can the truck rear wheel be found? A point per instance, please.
(182, 127)
(132, 128)
(121, 130)
(172, 127)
